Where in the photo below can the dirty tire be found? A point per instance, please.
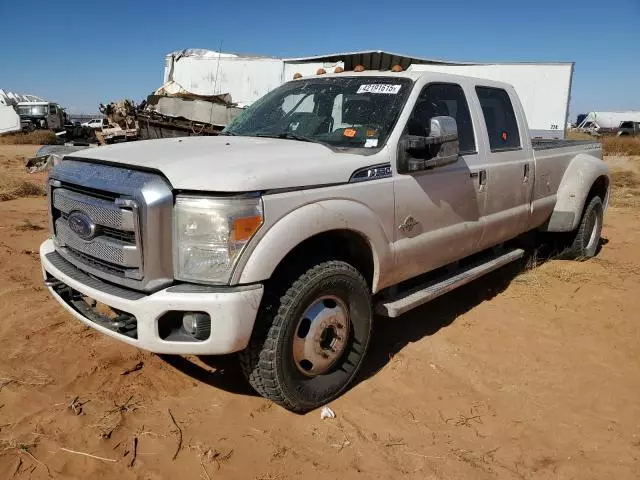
(268, 362)
(586, 238)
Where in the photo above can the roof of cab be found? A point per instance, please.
(411, 74)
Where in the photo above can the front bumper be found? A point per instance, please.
(232, 311)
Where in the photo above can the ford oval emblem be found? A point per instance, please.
(82, 225)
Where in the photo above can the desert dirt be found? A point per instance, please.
(521, 375)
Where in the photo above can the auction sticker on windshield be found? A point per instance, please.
(379, 88)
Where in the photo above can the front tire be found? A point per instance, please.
(310, 348)
(586, 238)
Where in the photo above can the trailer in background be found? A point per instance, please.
(599, 123)
(544, 88)
(9, 117)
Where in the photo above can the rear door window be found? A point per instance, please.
(500, 118)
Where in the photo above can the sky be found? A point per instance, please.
(80, 53)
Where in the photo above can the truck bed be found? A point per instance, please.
(547, 144)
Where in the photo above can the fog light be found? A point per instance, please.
(197, 324)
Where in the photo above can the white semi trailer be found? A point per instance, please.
(9, 118)
(544, 88)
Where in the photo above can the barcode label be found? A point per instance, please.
(379, 88)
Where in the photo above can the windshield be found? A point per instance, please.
(626, 125)
(35, 110)
(351, 112)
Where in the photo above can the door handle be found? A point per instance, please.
(527, 169)
(481, 175)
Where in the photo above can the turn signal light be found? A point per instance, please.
(245, 227)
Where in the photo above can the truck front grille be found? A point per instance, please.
(112, 222)
(116, 239)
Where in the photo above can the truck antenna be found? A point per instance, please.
(215, 84)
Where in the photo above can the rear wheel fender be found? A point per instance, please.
(576, 184)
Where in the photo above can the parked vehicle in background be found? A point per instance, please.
(41, 115)
(629, 129)
(331, 197)
(589, 127)
(96, 123)
(603, 123)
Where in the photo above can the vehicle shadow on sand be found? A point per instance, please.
(221, 371)
(390, 335)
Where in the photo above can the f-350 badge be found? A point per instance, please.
(409, 224)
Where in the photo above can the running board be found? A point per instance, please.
(433, 289)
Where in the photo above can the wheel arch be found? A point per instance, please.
(585, 177)
(340, 229)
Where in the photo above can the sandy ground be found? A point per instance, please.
(531, 375)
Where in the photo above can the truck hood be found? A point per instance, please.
(235, 164)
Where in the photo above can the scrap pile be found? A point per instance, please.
(123, 125)
(172, 111)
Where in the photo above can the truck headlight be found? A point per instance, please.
(209, 235)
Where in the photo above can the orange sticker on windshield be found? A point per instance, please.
(504, 136)
(349, 132)
(371, 132)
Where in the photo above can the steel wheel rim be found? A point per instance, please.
(593, 235)
(321, 335)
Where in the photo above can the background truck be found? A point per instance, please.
(329, 199)
(41, 115)
(603, 123)
(629, 129)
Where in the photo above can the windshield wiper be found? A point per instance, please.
(288, 135)
(231, 134)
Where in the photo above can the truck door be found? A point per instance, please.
(437, 211)
(508, 170)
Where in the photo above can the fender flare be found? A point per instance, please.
(576, 183)
(313, 219)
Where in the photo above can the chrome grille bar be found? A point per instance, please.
(102, 247)
(103, 212)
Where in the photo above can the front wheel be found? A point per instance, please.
(586, 238)
(310, 348)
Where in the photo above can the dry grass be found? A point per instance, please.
(27, 226)
(621, 145)
(626, 189)
(611, 145)
(38, 137)
(538, 277)
(12, 188)
(625, 179)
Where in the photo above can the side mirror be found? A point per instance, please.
(440, 148)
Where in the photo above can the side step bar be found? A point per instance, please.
(418, 296)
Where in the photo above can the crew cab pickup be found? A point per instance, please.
(331, 198)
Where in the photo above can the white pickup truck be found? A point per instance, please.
(280, 238)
